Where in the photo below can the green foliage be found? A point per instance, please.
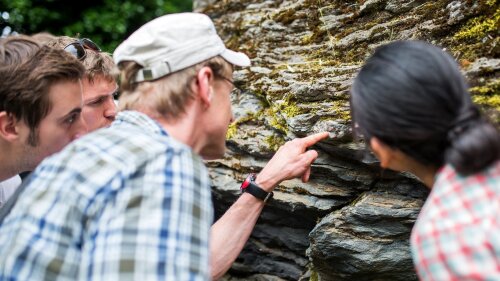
(106, 22)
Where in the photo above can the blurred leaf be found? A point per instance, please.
(106, 22)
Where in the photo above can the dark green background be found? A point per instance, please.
(105, 22)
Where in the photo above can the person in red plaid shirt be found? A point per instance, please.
(412, 106)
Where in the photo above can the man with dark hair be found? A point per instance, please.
(99, 86)
(13, 51)
(40, 104)
(132, 201)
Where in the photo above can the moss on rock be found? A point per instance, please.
(487, 95)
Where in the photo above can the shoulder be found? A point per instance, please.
(122, 148)
(108, 160)
(8, 187)
(447, 176)
(459, 218)
(459, 203)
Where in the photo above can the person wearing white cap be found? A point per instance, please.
(132, 201)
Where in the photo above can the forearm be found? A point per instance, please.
(230, 233)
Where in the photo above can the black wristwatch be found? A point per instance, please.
(251, 187)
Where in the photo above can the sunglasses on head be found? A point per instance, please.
(78, 47)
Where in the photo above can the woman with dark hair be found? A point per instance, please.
(411, 105)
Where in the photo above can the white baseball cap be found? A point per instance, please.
(173, 42)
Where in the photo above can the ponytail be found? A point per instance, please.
(473, 146)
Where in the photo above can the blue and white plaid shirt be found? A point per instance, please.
(124, 203)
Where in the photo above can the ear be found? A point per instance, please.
(8, 127)
(384, 153)
(205, 78)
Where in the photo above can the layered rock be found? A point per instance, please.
(352, 221)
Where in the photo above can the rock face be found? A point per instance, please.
(352, 221)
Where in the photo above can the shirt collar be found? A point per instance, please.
(139, 119)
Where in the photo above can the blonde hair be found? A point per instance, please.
(166, 96)
(43, 37)
(95, 63)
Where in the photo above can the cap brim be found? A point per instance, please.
(236, 58)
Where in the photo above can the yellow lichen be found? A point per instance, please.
(342, 110)
(478, 37)
(288, 107)
(491, 3)
(306, 39)
(479, 27)
(231, 131)
(491, 88)
(487, 95)
(275, 141)
(493, 101)
(276, 121)
(314, 276)
(233, 127)
(285, 17)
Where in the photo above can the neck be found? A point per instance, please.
(4, 175)
(7, 165)
(425, 173)
(183, 129)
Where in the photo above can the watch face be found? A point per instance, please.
(245, 184)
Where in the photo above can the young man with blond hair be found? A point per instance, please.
(132, 201)
(99, 86)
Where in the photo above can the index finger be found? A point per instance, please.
(312, 139)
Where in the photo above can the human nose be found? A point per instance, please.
(110, 110)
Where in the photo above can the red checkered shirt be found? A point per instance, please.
(457, 233)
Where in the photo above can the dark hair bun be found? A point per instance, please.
(473, 149)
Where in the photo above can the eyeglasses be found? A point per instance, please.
(78, 47)
(237, 91)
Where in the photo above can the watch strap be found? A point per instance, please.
(251, 187)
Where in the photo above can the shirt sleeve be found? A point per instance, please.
(156, 227)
